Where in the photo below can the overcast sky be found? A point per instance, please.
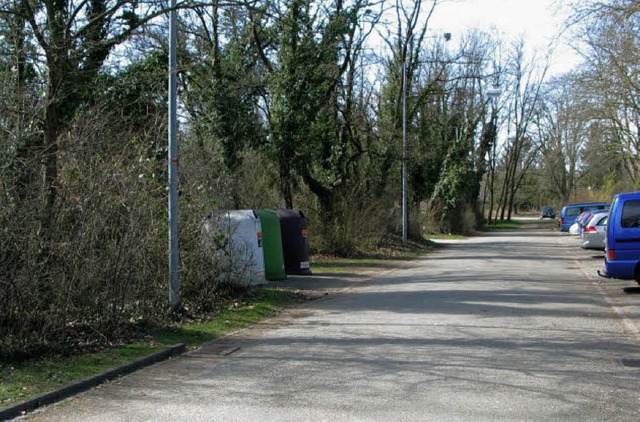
(538, 21)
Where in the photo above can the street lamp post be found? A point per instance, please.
(405, 199)
(174, 264)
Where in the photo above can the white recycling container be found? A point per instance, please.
(236, 236)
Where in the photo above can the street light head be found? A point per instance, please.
(494, 92)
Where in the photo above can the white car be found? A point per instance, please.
(574, 229)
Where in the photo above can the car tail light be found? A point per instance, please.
(590, 230)
(561, 220)
(611, 255)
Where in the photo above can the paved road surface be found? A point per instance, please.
(504, 326)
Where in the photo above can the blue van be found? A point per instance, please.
(622, 248)
(569, 213)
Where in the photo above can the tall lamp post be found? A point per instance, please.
(405, 198)
(174, 264)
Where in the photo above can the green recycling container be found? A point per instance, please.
(272, 245)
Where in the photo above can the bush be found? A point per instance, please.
(100, 270)
(352, 225)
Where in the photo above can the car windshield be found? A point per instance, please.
(597, 219)
(584, 217)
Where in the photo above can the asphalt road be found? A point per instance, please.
(504, 326)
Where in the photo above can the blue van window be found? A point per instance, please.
(594, 207)
(573, 211)
(631, 214)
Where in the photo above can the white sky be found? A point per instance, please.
(538, 21)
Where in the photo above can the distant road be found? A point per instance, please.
(506, 326)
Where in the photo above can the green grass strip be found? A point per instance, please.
(19, 382)
(442, 236)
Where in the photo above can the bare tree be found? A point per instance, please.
(561, 130)
(525, 95)
(610, 45)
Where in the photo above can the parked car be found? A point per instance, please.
(622, 249)
(547, 212)
(580, 222)
(585, 217)
(574, 229)
(569, 213)
(593, 233)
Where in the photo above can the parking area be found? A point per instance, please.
(622, 295)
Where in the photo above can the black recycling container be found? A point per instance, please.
(295, 241)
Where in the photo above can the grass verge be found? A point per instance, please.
(441, 236)
(501, 225)
(35, 377)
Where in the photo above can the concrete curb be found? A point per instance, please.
(87, 383)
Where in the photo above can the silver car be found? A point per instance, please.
(594, 232)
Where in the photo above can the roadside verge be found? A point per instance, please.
(87, 383)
